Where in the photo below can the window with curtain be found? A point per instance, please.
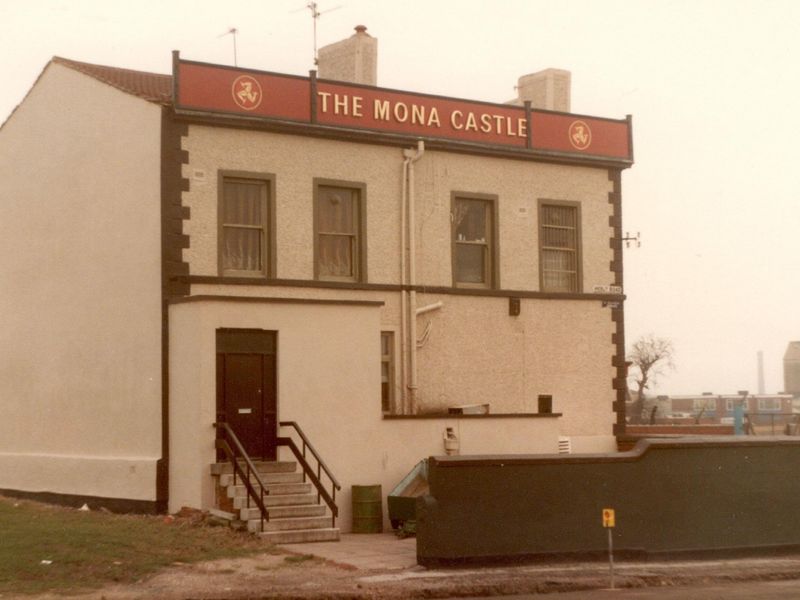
(559, 247)
(472, 249)
(338, 231)
(244, 226)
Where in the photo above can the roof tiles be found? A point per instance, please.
(152, 87)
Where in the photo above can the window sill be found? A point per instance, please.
(472, 286)
(245, 274)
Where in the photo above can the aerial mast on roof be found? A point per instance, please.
(315, 15)
(232, 32)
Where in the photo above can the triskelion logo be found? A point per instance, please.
(246, 92)
(580, 136)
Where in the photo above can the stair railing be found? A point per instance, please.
(228, 443)
(314, 475)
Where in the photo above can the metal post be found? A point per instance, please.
(611, 555)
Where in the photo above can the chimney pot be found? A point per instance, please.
(361, 28)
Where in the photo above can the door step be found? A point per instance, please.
(227, 478)
(293, 524)
(283, 512)
(262, 466)
(280, 500)
(298, 536)
(275, 489)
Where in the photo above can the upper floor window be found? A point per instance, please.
(339, 232)
(473, 241)
(559, 247)
(244, 225)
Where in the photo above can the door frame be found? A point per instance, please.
(259, 342)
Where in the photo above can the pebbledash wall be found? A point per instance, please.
(109, 357)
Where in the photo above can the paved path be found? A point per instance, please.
(742, 590)
(364, 551)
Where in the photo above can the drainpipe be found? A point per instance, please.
(412, 279)
(403, 293)
(425, 309)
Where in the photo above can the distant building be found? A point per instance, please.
(770, 411)
(791, 369)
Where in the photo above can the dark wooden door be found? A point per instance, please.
(246, 397)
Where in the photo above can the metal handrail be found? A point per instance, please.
(316, 478)
(792, 421)
(231, 453)
(307, 444)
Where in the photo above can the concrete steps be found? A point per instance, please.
(299, 536)
(227, 478)
(295, 515)
(274, 489)
(260, 465)
(240, 502)
(289, 524)
(285, 512)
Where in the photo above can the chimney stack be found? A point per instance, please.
(354, 59)
(548, 89)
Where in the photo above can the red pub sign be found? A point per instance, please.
(204, 87)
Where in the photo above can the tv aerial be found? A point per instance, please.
(232, 32)
(315, 15)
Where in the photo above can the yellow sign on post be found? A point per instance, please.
(608, 517)
(608, 523)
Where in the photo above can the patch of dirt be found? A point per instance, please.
(303, 577)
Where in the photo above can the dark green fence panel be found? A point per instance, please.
(670, 497)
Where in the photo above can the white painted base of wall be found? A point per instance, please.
(130, 478)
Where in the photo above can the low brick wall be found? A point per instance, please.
(634, 433)
(670, 496)
(701, 429)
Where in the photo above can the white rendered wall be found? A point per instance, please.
(328, 382)
(80, 360)
(476, 353)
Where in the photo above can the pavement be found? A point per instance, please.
(383, 566)
(363, 551)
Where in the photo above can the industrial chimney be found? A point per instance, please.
(791, 369)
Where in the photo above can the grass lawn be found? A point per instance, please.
(91, 549)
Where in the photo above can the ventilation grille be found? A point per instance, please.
(564, 445)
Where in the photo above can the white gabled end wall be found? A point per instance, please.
(80, 316)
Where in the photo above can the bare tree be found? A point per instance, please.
(650, 357)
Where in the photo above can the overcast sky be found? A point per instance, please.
(713, 87)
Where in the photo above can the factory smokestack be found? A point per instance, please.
(761, 372)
